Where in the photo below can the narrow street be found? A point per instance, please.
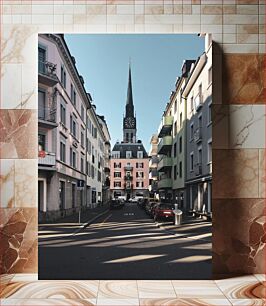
(122, 244)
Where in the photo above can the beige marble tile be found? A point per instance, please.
(25, 277)
(197, 289)
(118, 289)
(11, 78)
(260, 277)
(247, 126)
(156, 289)
(248, 302)
(117, 302)
(26, 188)
(51, 290)
(235, 173)
(243, 290)
(18, 130)
(183, 302)
(52, 302)
(7, 183)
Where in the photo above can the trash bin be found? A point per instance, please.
(178, 215)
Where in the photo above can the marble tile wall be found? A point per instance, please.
(238, 29)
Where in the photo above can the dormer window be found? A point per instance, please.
(128, 154)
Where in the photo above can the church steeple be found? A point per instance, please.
(129, 124)
(129, 104)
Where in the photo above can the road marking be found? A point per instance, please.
(106, 219)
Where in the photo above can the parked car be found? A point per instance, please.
(116, 203)
(133, 200)
(164, 211)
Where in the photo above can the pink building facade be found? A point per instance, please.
(129, 159)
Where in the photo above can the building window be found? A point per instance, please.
(175, 170)
(210, 75)
(191, 161)
(180, 169)
(63, 77)
(73, 156)
(200, 156)
(73, 195)
(200, 121)
(139, 165)
(181, 120)
(139, 184)
(41, 104)
(210, 113)
(175, 128)
(117, 174)
(73, 126)
(99, 176)
(62, 195)
(82, 164)
(191, 131)
(209, 151)
(41, 142)
(200, 92)
(140, 174)
(82, 138)
(180, 144)
(140, 154)
(41, 59)
(191, 104)
(62, 151)
(82, 112)
(175, 149)
(175, 107)
(117, 165)
(117, 184)
(63, 114)
(128, 154)
(115, 154)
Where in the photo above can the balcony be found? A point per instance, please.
(198, 135)
(153, 174)
(165, 145)
(198, 169)
(166, 126)
(128, 168)
(165, 163)
(46, 159)
(47, 117)
(47, 74)
(153, 162)
(198, 101)
(128, 177)
(165, 183)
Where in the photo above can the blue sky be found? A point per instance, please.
(156, 60)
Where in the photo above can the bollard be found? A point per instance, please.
(178, 215)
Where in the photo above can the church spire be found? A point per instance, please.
(129, 103)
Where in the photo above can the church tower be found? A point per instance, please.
(129, 122)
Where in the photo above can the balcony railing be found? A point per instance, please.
(47, 114)
(47, 73)
(198, 169)
(128, 177)
(46, 158)
(198, 134)
(128, 168)
(198, 101)
(166, 126)
(165, 163)
(165, 145)
(165, 183)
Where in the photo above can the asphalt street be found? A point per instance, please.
(121, 244)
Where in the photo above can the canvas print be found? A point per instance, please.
(125, 156)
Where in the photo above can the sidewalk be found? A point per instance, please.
(85, 216)
(191, 227)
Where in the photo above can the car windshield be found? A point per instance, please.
(166, 206)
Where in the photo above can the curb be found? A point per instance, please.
(84, 225)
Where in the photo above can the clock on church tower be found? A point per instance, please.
(129, 123)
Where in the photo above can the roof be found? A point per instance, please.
(133, 147)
